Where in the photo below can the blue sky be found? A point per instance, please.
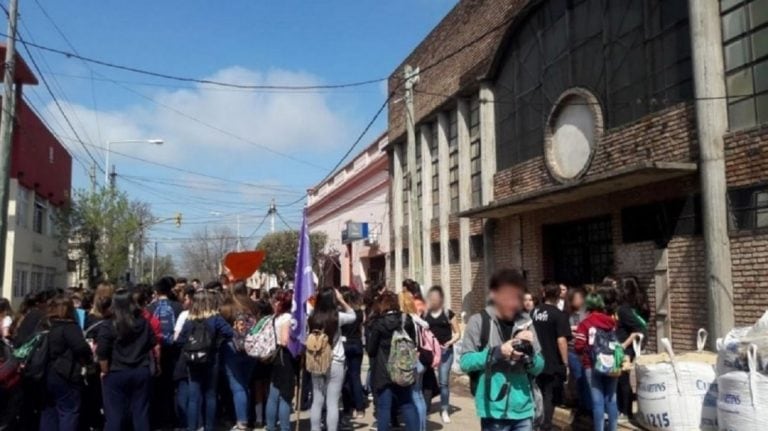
(284, 42)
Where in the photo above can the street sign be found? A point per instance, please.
(354, 232)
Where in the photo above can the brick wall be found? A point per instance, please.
(455, 293)
(664, 136)
(746, 157)
(687, 290)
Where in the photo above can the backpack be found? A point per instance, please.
(198, 348)
(33, 356)
(430, 350)
(167, 318)
(606, 352)
(403, 354)
(319, 352)
(90, 337)
(9, 367)
(261, 342)
(485, 333)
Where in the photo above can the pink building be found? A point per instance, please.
(352, 208)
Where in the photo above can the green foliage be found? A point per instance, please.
(99, 227)
(281, 248)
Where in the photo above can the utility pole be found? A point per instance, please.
(6, 129)
(411, 76)
(711, 125)
(112, 177)
(92, 176)
(239, 244)
(154, 262)
(272, 212)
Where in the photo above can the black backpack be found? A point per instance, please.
(35, 365)
(199, 346)
(485, 332)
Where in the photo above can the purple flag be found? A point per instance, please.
(303, 288)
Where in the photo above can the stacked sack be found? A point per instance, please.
(676, 392)
(742, 367)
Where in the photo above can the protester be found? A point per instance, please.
(632, 316)
(408, 307)
(330, 312)
(444, 325)
(509, 351)
(98, 315)
(414, 289)
(553, 333)
(352, 337)
(240, 312)
(577, 311)
(123, 349)
(68, 353)
(283, 378)
(529, 303)
(262, 372)
(203, 334)
(601, 307)
(386, 319)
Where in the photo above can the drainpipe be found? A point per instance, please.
(711, 124)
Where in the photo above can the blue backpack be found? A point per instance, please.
(167, 318)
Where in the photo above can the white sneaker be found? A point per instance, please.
(445, 417)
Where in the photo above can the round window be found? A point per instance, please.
(572, 133)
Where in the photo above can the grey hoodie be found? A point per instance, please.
(472, 332)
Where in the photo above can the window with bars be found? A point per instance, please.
(580, 252)
(474, 153)
(406, 258)
(748, 207)
(435, 253)
(419, 188)
(20, 283)
(434, 156)
(453, 160)
(745, 47)
(476, 247)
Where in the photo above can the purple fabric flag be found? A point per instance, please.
(303, 288)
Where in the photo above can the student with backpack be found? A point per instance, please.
(201, 339)
(240, 312)
(601, 354)
(444, 325)
(352, 336)
(91, 416)
(166, 311)
(502, 356)
(392, 348)
(124, 346)
(325, 355)
(426, 358)
(67, 354)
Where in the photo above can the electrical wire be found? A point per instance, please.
(154, 74)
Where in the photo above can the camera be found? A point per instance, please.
(526, 349)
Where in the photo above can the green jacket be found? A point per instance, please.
(509, 395)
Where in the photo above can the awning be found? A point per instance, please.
(624, 178)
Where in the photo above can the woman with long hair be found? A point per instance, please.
(63, 378)
(331, 311)
(389, 396)
(576, 314)
(124, 346)
(444, 325)
(203, 377)
(352, 335)
(240, 312)
(97, 316)
(409, 307)
(414, 289)
(283, 379)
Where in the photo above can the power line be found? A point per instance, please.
(154, 74)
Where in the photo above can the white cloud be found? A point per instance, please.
(301, 124)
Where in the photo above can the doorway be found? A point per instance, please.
(579, 252)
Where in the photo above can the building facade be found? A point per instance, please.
(578, 139)
(352, 209)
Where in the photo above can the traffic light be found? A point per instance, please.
(178, 220)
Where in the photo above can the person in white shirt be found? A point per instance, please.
(6, 318)
(329, 314)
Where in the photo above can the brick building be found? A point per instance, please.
(561, 137)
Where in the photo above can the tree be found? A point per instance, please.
(202, 257)
(104, 231)
(281, 247)
(164, 265)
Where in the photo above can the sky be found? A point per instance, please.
(234, 150)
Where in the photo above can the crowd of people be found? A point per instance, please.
(174, 356)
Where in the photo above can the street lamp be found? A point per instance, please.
(129, 141)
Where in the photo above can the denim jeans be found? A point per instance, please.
(239, 369)
(326, 391)
(400, 398)
(418, 397)
(278, 409)
(182, 402)
(583, 392)
(126, 395)
(603, 390)
(62, 406)
(444, 378)
(506, 424)
(203, 390)
(354, 355)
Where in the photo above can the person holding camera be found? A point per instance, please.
(554, 331)
(502, 356)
